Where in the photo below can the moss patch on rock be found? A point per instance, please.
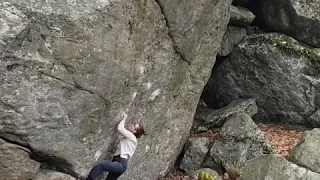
(290, 46)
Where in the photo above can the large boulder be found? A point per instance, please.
(272, 167)
(279, 72)
(231, 39)
(217, 117)
(300, 19)
(239, 140)
(306, 152)
(68, 70)
(240, 16)
(196, 150)
(52, 175)
(314, 119)
(15, 162)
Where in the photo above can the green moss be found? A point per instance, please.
(290, 46)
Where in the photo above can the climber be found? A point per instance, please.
(126, 147)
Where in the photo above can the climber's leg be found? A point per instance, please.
(113, 176)
(111, 167)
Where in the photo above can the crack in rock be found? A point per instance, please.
(75, 85)
(176, 50)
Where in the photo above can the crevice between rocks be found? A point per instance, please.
(176, 50)
(46, 161)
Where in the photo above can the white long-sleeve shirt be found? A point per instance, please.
(128, 142)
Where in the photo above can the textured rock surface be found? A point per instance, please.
(216, 117)
(314, 119)
(196, 152)
(15, 162)
(272, 167)
(68, 70)
(306, 152)
(277, 71)
(240, 16)
(239, 140)
(231, 39)
(52, 175)
(300, 19)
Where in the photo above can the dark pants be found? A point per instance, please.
(115, 168)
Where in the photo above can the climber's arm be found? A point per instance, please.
(122, 130)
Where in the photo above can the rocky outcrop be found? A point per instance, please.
(52, 175)
(300, 19)
(240, 16)
(217, 117)
(231, 39)
(275, 69)
(314, 119)
(306, 152)
(68, 70)
(15, 162)
(239, 140)
(272, 167)
(196, 152)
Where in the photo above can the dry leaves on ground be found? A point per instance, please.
(282, 138)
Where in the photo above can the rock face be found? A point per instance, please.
(231, 39)
(52, 175)
(14, 158)
(239, 140)
(68, 70)
(314, 119)
(272, 167)
(196, 152)
(240, 16)
(217, 117)
(306, 152)
(300, 19)
(276, 70)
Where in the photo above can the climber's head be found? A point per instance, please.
(136, 129)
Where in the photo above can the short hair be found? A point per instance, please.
(140, 131)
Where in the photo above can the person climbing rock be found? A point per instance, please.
(126, 148)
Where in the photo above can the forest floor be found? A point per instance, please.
(282, 137)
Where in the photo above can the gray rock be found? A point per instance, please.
(197, 149)
(216, 117)
(272, 167)
(281, 74)
(231, 39)
(68, 70)
(300, 19)
(210, 163)
(240, 16)
(194, 27)
(239, 140)
(52, 175)
(254, 30)
(213, 173)
(15, 162)
(314, 119)
(306, 152)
